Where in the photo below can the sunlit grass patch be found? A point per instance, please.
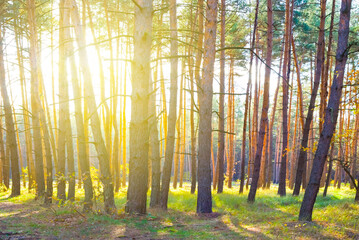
(270, 217)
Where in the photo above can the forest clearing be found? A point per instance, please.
(182, 119)
(270, 218)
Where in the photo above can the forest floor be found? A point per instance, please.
(270, 217)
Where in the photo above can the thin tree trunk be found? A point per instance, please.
(179, 137)
(331, 114)
(198, 60)
(230, 118)
(4, 171)
(319, 63)
(285, 83)
(80, 128)
(166, 173)
(270, 170)
(155, 154)
(220, 151)
(35, 101)
(327, 182)
(103, 156)
(264, 116)
(193, 135)
(183, 146)
(9, 123)
(293, 164)
(63, 100)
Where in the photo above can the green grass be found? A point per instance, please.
(270, 217)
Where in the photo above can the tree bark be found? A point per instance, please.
(9, 123)
(166, 173)
(319, 63)
(61, 147)
(35, 101)
(204, 197)
(155, 153)
(198, 60)
(220, 151)
(264, 116)
(139, 135)
(99, 143)
(331, 114)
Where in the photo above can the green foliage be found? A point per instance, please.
(270, 217)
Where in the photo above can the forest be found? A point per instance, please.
(179, 119)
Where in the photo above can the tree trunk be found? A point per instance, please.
(35, 101)
(327, 182)
(63, 101)
(331, 114)
(230, 118)
(9, 123)
(139, 135)
(264, 116)
(274, 109)
(204, 196)
(197, 79)
(166, 173)
(155, 154)
(183, 145)
(285, 83)
(4, 167)
(319, 63)
(193, 136)
(99, 143)
(220, 151)
(178, 138)
(80, 128)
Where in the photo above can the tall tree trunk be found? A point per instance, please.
(99, 143)
(139, 135)
(285, 84)
(198, 60)
(179, 137)
(331, 114)
(166, 173)
(293, 164)
(327, 182)
(319, 63)
(9, 123)
(63, 100)
(183, 145)
(80, 129)
(35, 101)
(4, 167)
(204, 197)
(230, 118)
(264, 116)
(155, 153)
(220, 151)
(270, 170)
(28, 146)
(192, 129)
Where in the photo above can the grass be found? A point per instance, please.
(270, 217)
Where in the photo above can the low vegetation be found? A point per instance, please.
(270, 217)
